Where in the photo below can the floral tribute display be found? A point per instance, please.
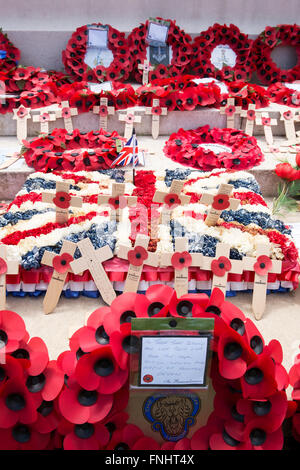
(9, 54)
(74, 56)
(287, 94)
(267, 70)
(180, 55)
(28, 228)
(222, 52)
(289, 186)
(294, 380)
(77, 151)
(79, 401)
(206, 149)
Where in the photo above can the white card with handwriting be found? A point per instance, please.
(173, 361)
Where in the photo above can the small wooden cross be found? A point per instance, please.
(62, 201)
(117, 200)
(21, 115)
(66, 113)
(137, 257)
(146, 67)
(263, 119)
(92, 260)
(44, 118)
(261, 265)
(250, 115)
(6, 267)
(129, 118)
(171, 199)
(288, 118)
(221, 266)
(156, 111)
(221, 201)
(181, 260)
(61, 268)
(231, 111)
(104, 110)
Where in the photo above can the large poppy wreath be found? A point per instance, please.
(9, 54)
(222, 52)
(79, 401)
(74, 56)
(78, 151)
(282, 35)
(177, 39)
(285, 93)
(204, 148)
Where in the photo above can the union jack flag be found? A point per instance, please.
(129, 154)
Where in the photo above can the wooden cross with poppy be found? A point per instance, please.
(250, 115)
(62, 201)
(137, 257)
(44, 118)
(171, 199)
(218, 203)
(146, 67)
(231, 111)
(7, 266)
(129, 118)
(263, 119)
(156, 110)
(61, 268)
(262, 265)
(181, 260)
(21, 115)
(288, 118)
(92, 260)
(117, 200)
(104, 111)
(221, 266)
(66, 112)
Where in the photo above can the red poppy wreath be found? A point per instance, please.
(222, 52)
(79, 402)
(285, 93)
(9, 54)
(109, 61)
(179, 57)
(78, 151)
(205, 149)
(282, 35)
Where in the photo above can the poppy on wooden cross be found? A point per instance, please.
(7, 266)
(44, 118)
(21, 115)
(250, 115)
(62, 201)
(219, 202)
(171, 199)
(137, 257)
(117, 200)
(129, 118)
(231, 111)
(104, 111)
(66, 112)
(156, 111)
(61, 267)
(263, 119)
(146, 67)
(92, 261)
(262, 265)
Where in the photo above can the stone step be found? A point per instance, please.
(168, 124)
(12, 178)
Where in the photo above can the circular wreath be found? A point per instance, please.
(281, 35)
(287, 95)
(77, 151)
(181, 51)
(9, 54)
(73, 57)
(217, 35)
(204, 148)
(79, 401)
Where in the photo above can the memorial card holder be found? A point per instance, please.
(169, 376)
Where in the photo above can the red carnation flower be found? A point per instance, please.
(263, 265)
(221, 266)
(99, 370)
(181, 260)
(137, 256)
(221, 202)
(62, 199)
(61, 263)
